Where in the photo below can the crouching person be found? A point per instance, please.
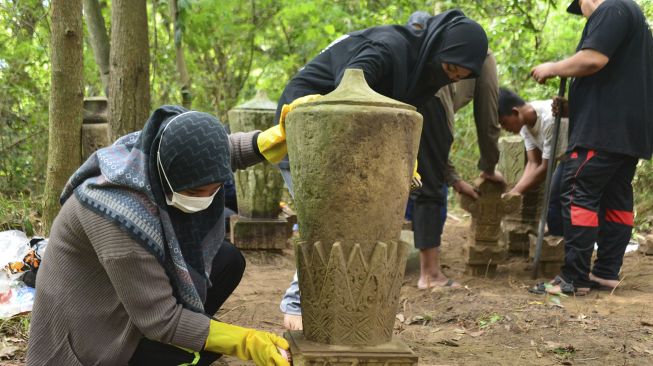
(137, 264)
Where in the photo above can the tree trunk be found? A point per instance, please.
(97, 31)
(184, 79)
(129, 88)
(66, 102)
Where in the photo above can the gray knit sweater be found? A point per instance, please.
(99, 292)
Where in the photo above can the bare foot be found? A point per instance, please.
(426, 282)
(292, 322)
(604, 282)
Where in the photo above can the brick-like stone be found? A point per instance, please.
(248, 233)
(307, 353)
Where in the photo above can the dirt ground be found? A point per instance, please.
(490, 321)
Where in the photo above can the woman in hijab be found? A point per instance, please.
(136, 263)
(400, 62)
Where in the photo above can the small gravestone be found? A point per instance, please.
(258, 224)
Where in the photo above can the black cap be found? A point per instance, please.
(574, 8)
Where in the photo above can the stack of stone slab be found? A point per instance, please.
(259, 187)
(484, 251)
(95, 126)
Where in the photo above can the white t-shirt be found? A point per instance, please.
(541, 134)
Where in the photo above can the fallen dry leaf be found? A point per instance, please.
(400, 317)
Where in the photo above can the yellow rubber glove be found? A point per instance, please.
(416, 182)
(246, 344)
(272, 142)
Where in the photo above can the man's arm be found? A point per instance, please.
(534, 173)
(486, 94)
(584, 63)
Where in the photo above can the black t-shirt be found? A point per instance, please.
(612, 110)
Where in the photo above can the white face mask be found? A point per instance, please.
(185, 203)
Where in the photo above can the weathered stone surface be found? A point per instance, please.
(96, 110)
(518, 224)
(553, 248)
(248, 233)
(95, 129)
(512, 159)
(484, 248)
(646, 245)
(351, 156)
(514, 236)
(307, 353)
(412, 262)
(348, 297)
(258, 187)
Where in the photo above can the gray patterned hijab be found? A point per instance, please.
(121, 182)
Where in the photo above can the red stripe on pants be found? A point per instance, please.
(620, 217)
(583, 217)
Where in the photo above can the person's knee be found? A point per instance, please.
(233, 258)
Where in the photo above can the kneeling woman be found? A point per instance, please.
(136, 264)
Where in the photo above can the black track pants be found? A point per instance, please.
(597, 199)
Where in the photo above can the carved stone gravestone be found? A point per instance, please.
(484, 251)
(95, 126)
(258, 188)
(351, 156)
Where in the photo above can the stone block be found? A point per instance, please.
(550, 269)
(515, 236)
(307, 353)
(553, 248)
(482, 255)
(271, 234)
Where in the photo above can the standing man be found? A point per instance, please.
(610, 127)
(434, 166)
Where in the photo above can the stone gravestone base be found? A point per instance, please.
(256, 234)
(307, 353)
(552, 256)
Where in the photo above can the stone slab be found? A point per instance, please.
(553, 248)
(307, 353)
(483, 255)
(259, 234)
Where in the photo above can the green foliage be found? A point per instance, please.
(24, 38)
(233, 48)
(19, 213)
